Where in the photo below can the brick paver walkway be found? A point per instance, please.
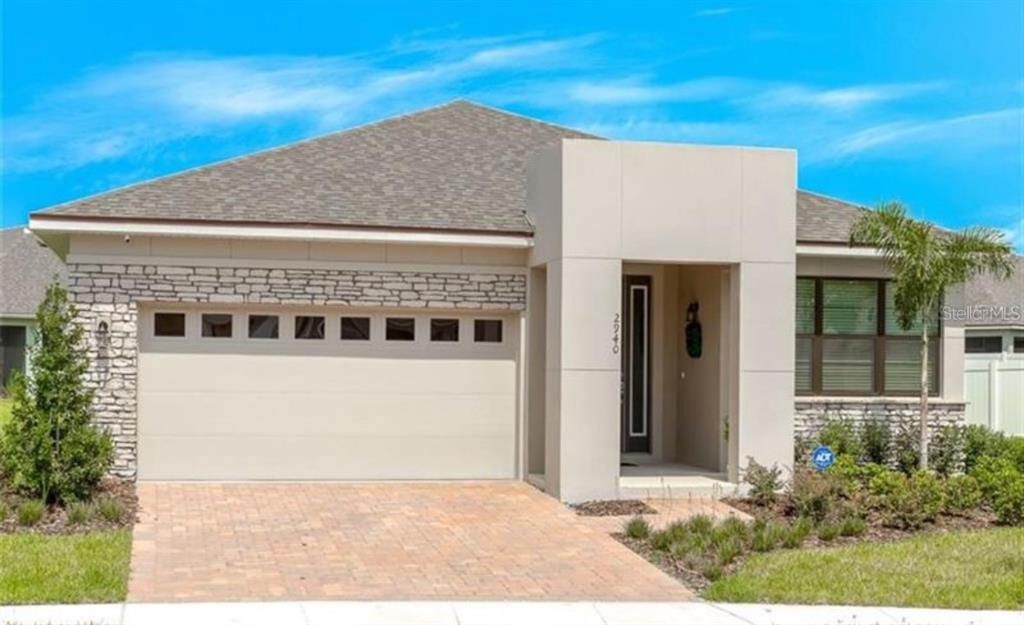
(475, 540)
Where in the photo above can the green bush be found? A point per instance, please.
(814, 495)
(797, 533)
(764, 482)
(927, 490)
(906, 448)
(729, 529)
(840, 436)
(876, 442)
(885, 483)
(991, 472)
(3, 511)
(637, 527)
(981, 442)
(713, 571)
(700, 524)
(660, 540)
(728, 550)
(49, 449)
(852, 526)
(1008, 502)
(110, 509)
(767, 536)
(946, 451)
(31, 512)
(963, 494)
(828, 531)
(79, 512)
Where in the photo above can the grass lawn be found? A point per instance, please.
(983, 569)
(87, 568)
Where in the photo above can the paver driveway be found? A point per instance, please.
(471, 540)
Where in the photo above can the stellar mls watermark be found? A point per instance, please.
(994, 314)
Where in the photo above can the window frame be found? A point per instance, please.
(248, 326)
(295, 327)
(501, 331)
(231, 320)
(879, 338)
(416, 330)
(170, 337)
(985, 338)
(359, 341)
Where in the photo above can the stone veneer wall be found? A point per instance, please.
(812, 414)
(112, 292)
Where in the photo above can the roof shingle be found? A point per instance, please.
(26, 268)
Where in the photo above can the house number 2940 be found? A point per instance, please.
(616, 328)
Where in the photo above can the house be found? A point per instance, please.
(994, 346)
(26, 268)
(465, 293)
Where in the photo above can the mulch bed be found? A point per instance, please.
(613, 507)
(689, 578)
(55, 520)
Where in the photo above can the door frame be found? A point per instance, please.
(635, 383)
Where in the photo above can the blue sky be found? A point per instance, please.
(918, 101)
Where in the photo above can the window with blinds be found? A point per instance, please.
(849, 341)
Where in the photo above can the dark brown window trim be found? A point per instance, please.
(880, 340)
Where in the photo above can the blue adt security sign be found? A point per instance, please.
(823, 458)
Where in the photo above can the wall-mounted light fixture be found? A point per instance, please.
(103, 333)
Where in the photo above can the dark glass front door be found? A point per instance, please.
(636, 364)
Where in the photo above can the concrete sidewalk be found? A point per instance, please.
(491, 613)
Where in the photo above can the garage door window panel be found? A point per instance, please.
(487, 330)
(400, 329)
(309, 327)
(169, 324)
(217, 325)
(264, 326)
(444, 330)
(355, 328)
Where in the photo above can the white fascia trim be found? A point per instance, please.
(837, 251)
(42, 224)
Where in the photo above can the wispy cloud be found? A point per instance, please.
(715, 12)
(160, 98)
(964, 132)
(639, 92)
(842, 99)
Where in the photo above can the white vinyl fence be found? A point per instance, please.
(994, 389)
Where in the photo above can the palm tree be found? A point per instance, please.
(925, 261)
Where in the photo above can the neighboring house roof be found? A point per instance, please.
(458, 167)
(26, 268)
(993, 300)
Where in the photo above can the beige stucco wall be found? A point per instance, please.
(632, 202)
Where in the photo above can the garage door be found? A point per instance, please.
(275, 394)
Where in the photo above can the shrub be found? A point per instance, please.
(764, 482)
(852, 526)
(637, 527)
(660, 540)
(907, 454)
(700, 524)
(31, 512)
(876, 442)
(728, 550)
(713, 571)
(797, 533)
(110, 509)
(886, 483)
(1008, 502)
(49, 448)
(947, 450)
(963, 494)
(814, 495)
(828, 531)
(3, 511)
(733, 528)
(991, 472)
(79, 512)
(980, 442)
(841, 437)
(928, 492)
(767, 536)
(852, 475)
(802, 448)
